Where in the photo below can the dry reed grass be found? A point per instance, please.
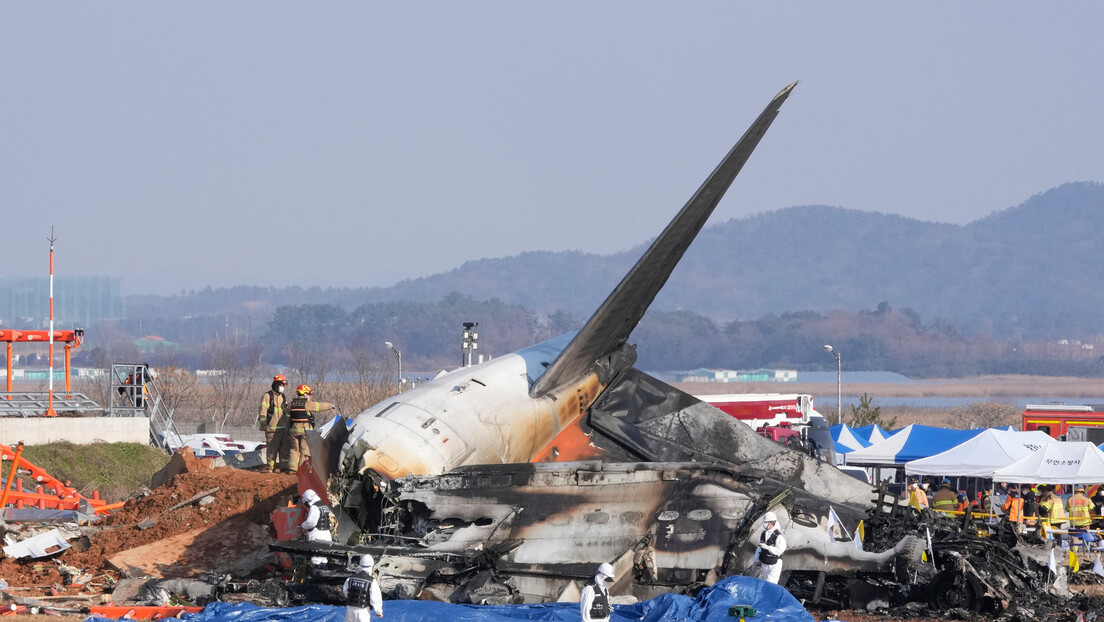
(986, 388)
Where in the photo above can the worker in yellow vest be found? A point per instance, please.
(917, 497)
(272, 421)
(1051, 510)
(301, 418)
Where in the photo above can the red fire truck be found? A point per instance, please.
(1057, 419)
(759, 409)
(788, 418)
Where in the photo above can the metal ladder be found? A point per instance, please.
(133, 393)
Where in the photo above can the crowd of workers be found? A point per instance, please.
(285, 425)
(1028, 505)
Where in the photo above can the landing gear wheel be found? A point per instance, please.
(953, 590)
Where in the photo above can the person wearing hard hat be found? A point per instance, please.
(772, 544)
(946, 499)
(362, 592)
(318, 523)
(272, 421)
(301, 418)
(917, 496)
(1080, 508)
(594, 602)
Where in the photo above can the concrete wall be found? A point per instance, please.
(77, 430)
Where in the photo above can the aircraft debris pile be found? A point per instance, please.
(1003, 573)
(198, 526)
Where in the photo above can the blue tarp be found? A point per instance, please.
(771, 602)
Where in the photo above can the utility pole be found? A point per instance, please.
(839, 383)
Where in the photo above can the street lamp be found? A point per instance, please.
(391, 346)
(839, 383)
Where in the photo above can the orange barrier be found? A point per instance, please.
(286, 521)
(141, 613)
(63, 497)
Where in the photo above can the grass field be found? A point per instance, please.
(114, 469)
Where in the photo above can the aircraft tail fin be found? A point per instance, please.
(610, 326)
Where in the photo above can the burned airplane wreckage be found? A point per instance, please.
(510, 480)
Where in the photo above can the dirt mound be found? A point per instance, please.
(246, 494)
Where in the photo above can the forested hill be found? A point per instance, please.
(1028, 271)
(1034, 269)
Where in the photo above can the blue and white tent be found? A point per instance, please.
(910, 443)
(846, 440)
(873, 433)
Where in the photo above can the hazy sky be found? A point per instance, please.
(190, 144)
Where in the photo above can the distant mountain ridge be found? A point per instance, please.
(1034, 268)
(1031, 270)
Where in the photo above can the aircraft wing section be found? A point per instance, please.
(641, 417)
(610, 326)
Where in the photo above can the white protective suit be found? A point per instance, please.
(310, 525)
(599, 588)
(771, 572)
(375, 598)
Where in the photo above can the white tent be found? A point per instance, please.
(981, 455)
(1057, 463)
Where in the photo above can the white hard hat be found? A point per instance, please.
(366, 561)
(769, 517)
(605, 569)
(310, 496)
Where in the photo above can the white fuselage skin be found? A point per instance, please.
(474, 415)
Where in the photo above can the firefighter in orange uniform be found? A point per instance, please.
(301, 418)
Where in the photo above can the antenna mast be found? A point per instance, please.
(50, 407)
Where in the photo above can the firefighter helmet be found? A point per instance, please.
(280, 378)
(303, 390)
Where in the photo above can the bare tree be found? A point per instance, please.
(988, 414)
(236, 374)
(370, 381)
(181, 393)
(310, 362)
